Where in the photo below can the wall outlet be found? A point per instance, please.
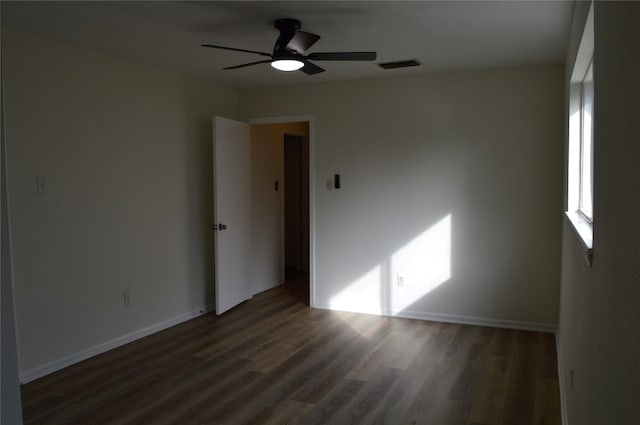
(400, 280)
(126, 298)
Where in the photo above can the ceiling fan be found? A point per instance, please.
(289, 50)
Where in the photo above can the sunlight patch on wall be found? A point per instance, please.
(420, 266)
(361, 296)
(407, 275)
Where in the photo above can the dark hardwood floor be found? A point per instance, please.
(273, 360)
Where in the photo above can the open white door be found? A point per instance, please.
(232, 212)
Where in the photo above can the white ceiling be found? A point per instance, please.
(444, 36)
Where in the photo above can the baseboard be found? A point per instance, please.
(465, 320)
(561, 383)
(477, 321)
(40, 371)
(260, 290)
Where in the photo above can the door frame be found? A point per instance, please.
(312, 212)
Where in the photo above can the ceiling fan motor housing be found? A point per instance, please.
(287, 24)
(287, 28)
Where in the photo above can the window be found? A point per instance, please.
(580, 200)
(585, 202)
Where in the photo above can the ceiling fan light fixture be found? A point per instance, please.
(287, 64)
(289, 52)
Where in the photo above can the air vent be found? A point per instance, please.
(399, 64)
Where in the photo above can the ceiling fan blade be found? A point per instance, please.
(311, 68)
(342, 56)
(236, 50)
(247, 64)
(283, 40)
(301, 41)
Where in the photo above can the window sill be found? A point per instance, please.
(584, 230)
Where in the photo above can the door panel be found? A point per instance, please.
(232, 212)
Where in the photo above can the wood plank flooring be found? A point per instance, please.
(273, 360)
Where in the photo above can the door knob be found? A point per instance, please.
(222, 226)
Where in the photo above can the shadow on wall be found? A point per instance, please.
(405, 276)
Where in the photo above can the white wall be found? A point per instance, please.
(600, 306)
(452, 180)
(267, 166)
(126, 151)
(10, 403)
(267, 213)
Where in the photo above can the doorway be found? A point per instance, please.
(282, 172)
(296, 209)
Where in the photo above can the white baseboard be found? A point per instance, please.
(40, 371)
(561, 383)
(477, 321)
(455, 318)
(265, 288)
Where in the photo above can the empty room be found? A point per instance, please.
(306, 212)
